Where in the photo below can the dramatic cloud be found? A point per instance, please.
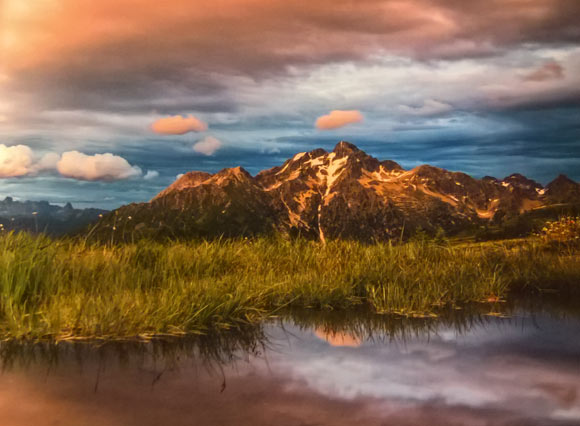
(107, 167)
(207, 146)
(336, 119)
(178, 125)
(15, 160)
(141, 56)
(548, 71)
(430, 107)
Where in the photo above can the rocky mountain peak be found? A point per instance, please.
(391, 165)
(318, 152)
(562, 190)
(344, 193)
(344, 148)
(520, 180)
(234, 171)
(187, 180)
(489, 179)
(561, 180)
(236, 175)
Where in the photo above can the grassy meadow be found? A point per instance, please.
(71, 289)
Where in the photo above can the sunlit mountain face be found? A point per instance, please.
(105, 103)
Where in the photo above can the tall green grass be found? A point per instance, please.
(68, 289)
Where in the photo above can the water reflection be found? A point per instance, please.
(467, 368)
(338, 338)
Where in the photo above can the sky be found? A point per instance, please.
(105, 103)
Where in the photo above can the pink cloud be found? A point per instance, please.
(337, 118)
(178, 125)
(207, 146)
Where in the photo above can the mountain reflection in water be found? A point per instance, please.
(309, 369)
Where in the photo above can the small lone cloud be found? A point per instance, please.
(550, 70)
(178, 125)
(337, 119)
(107, 167)
(430, 108)
(207, 146)
(151, 174)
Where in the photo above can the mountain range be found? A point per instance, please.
(344, 193)
(41, 216)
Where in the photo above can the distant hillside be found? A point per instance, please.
(41, 216)
(328, 195)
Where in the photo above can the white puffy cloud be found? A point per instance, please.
(337, 118)
(430, 108)
(21, 160)
(15, 160)
(151, 174)
(178, 125)
(207, 146)
(47, 162)
(107, 167)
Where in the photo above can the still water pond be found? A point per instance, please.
(310, 370)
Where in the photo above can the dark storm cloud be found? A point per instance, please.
(102, 86)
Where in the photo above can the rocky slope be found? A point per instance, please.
(326, 195)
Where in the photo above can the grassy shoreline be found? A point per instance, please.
(70, 289)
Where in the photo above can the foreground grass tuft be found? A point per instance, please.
(69, 289)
